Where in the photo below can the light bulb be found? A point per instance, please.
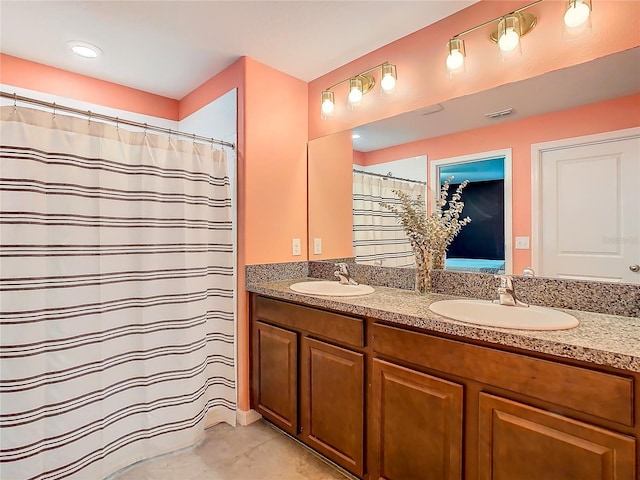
(455, 59)
(508, 41)
(455, 55)
(388, 82)
(327, 107)
(327, 103)
(577, 13)
(355, 94)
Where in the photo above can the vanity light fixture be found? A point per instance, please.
(359, 85)
(509, 28)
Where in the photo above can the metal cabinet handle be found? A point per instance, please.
(634, 268)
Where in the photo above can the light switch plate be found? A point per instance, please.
(522, 243)
(295, 247)
(317, 246)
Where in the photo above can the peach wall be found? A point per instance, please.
(519, 135)
(420, 57)
(331, 184)
(359, 158)
(276, 164)
(42, 78)
(272, 173)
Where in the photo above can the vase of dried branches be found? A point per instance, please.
(430, 235)
(423, 269)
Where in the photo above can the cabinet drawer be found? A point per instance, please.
(603, 395)
(519, 441)
(340, 328)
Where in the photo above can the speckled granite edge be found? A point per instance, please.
(272, 272)
(599, 297)
(599, 339)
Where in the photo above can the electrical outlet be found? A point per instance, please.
(522, 243)
(295, 247)
(317, 246)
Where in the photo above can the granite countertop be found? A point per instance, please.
(599, 339)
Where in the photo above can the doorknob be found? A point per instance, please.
(634, 268)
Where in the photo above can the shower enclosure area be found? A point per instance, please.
(117, 300)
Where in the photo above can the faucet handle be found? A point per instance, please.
(342, 267)
(505, 281)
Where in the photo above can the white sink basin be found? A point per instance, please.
(331, 288)
(485, 312)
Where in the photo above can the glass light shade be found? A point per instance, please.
(389, 76)
(455, 59)
(508, 33)
(355, 91)
(577, 13)
(328, 103)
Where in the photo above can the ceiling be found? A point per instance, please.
(171, 47)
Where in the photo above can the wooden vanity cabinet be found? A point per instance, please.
(523, 418)
(519, 441)
(332, 402)
(417, 425)
(275, 375)
(307, 371)
(435, 407)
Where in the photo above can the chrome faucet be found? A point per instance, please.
(506, 293)
(344, 275)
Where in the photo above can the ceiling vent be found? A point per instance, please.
(501, 113)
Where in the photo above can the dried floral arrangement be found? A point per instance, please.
(430, 235)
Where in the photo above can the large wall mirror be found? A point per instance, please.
(531, 118)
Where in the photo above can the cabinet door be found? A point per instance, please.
(275, 371)
(417, 425)
(332, 404)
(519, 441)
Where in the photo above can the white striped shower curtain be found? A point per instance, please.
(116, 295)
(378, 238)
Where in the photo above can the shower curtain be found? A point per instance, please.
(116, 299)
(378, 238)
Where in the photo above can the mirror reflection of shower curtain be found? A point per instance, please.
(116, 319)
(378, 238)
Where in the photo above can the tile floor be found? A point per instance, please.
(255, 452)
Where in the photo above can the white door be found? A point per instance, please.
(589, 207)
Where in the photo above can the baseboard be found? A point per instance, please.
(217, 415)
(247, 417)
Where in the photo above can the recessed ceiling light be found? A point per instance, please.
(355, 135)
(84, 49)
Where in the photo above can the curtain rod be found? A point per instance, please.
(389, 176)
(117, 120)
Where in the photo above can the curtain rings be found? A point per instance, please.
(54, 110)
(117, 124)
(89, 115)
(15, 102)
(145, 129)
